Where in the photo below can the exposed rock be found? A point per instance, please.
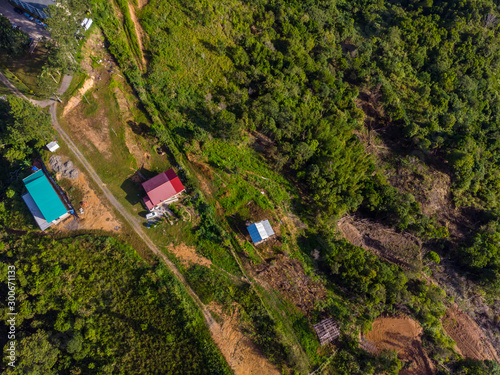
(66, 169)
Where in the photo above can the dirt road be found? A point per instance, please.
(127, 216)
(117, 205)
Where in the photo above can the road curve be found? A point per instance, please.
(127, 216)
(209, 320)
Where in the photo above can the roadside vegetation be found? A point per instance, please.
(270, 110)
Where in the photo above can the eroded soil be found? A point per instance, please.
(240, 352)
(404, 335)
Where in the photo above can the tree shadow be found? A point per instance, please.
(139, 129)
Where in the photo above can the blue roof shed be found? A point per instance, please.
(260, 231)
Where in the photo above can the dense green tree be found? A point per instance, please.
(24, 128)
(13, 41)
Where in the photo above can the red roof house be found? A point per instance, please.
(161, 188)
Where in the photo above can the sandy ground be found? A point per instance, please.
(405, 336)
(238, 350)
(188, 255)
(470, 339)
(96, 214)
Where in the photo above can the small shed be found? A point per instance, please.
(52, 146)
(260, 231)
(327, 331)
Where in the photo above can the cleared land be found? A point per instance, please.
(470, 339)
(405, 336)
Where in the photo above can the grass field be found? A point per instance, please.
(4, 90)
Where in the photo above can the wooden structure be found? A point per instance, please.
(327, 331)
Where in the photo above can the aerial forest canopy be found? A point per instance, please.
(301, 72)
(300, 69)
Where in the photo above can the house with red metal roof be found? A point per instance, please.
(163, 188)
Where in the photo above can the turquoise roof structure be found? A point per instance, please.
(45, 196)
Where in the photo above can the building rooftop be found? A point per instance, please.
(260, 231)
(44, 196)
(162, 187)
(327, 331)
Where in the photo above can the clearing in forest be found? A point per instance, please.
(404, 335)
(471, 341)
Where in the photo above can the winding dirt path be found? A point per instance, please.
(209, 320)
(218, 332)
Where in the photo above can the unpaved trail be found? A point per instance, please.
(139, 33)
(209, 320)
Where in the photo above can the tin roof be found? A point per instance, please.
(162, 187)
(260, 231)
(45, 197)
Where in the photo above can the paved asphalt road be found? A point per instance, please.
(24, 24)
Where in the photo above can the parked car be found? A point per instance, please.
(28, 16)
(18, 11)
(38, 22)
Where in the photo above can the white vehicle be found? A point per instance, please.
(152, 215)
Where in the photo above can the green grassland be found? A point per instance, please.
(23, 72)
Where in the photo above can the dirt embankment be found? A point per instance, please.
(402, 249)
(188, 255)
(140, 34)
(470, 339)
(238, 350)
(404, 335)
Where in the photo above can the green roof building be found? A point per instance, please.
(43, 201)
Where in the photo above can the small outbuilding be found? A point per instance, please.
(52, 146)
(327, 331)
(42, 200)
(260, 231)
(163, 188)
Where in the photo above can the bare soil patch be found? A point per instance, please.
(288, 277)
(91, 131)
(143, 3)
(188, 255)
(240, 352)
(140, 33)
(402, 249)
(96, 213)
(404, 335)
(470, 339)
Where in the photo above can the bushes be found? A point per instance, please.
(89, 305)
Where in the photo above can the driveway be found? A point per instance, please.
(29, 27)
